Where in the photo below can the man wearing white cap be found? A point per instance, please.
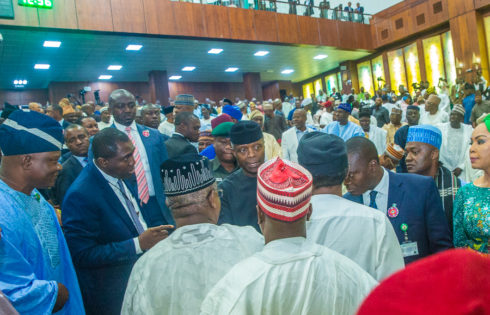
(455, 145)
(291, 275)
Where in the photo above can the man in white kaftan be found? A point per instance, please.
(177, 273)
(372, 132)
(291, 275)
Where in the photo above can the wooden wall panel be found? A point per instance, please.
(24, 97)
(189, 19)
(308, 30)
(252, 85)
(159, 17)
(481, 3)
(271, 91)
(217, 21)
(265, 24)
(23, 16)
(363, 36)
(459, 7)
(62, 15)
(128, 16)
(287, 27)
(419, 10)
(212, 90)
(242, 24)
(347, 34)
(94, 15)
(329, 33)
(58, 90)
(440, 17)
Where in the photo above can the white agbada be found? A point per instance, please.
(438, 118)
(291, 276)
(455, 147)
(378, 137)
(326, 118)
(176, 274)
(358, 232)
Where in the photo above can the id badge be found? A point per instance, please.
(410, 249)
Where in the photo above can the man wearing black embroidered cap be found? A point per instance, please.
(165, 280)
(238, 202)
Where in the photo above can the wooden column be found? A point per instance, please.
(468, 35)
(252, 85)
(350, 73)
(158, 87)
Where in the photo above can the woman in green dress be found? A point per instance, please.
(472, 204)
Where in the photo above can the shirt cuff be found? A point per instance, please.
(137, 246)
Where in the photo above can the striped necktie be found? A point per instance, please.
(143, 192)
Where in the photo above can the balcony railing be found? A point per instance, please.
(291, 7)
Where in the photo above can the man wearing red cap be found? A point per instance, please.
(291, 275)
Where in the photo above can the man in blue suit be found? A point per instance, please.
(411, 202)
(105, 228)
(150, 153)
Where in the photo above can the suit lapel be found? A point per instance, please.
(111, 199)
(395, 191)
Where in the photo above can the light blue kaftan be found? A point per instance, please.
(34, 255)
(345, 132)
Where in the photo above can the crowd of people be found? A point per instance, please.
(327, 204)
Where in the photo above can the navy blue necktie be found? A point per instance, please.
(132, 211)
(372, 201)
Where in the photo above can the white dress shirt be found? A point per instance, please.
(112, 181)
(360, 233)
(82, 159)
(141, 149)
(382, 196)
(166, 128)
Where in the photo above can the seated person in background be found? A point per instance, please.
(187, 127)
(167, 127)
(90, 125)
(394, 125)
(291, 275)
(150, 116)
(373, 133)
(176, 274)
(105, 118)
(391, 157)
(341, 126)
(341, 224)
(433, 115)
(225, 162)
(454, 281)
(292, 136)
(205, 140)
(273, 124)
(423, 144)
(272, 147)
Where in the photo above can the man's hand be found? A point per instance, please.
(153, 235)
(62, 297)
(457, 171)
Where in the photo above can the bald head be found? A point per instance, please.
(432, 104)
(364, 148)
(116, 94)
(122, 105)
(299, 119)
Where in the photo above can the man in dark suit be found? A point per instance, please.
(77, 141)
(411, 202)
(104, 228)
(187, 127)
(150, 153)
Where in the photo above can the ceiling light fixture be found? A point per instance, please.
(41, 66)
(175, 77)
(231, 69)
(188, 68)
(105, 77)
(287, 71)
(51, 43)
(114, 67)
(261, 53)
(20, 83)
(215, 51)
(319, 57)
(134, 47)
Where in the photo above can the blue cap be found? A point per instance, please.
(345, 107)
(233, 111)
(425, 134)
(26, 132)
